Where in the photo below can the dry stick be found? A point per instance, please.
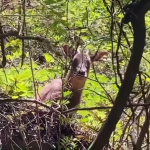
(128, 125)
(4, 100)
(142, 134)
(138, 23)
(2, 48)
(19, 128)
(104, 107)
(143, 130)
(147, 115)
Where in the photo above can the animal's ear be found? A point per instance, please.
(68, 51)
(98, 55)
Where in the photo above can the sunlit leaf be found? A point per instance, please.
(48, 57)
(15, 97)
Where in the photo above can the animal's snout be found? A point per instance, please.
(81, 72)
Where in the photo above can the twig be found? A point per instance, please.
(2, 48)
(104, 107)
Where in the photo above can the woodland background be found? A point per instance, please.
(32, 34)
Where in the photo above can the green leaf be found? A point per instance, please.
(148, 79)
(15, 97)
(84, 120)
(66, 93)
(24, 75)
(21, 87)
(83, 113)
(48, 57)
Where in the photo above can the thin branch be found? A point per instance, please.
(38, 38)
(2, 48)
(135, 15)
(105, 107)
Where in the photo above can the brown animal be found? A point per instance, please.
(76, 77)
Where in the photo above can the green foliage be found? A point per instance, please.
(69, 143)
(51, 19)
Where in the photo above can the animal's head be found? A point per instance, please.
(81, 60)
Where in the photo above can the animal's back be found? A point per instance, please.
(52, 91)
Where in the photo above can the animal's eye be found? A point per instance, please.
(75, 62)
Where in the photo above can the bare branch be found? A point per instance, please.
(104, 107)
(135, 14)
(38, 38)
(2, 48)
(143, 130)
